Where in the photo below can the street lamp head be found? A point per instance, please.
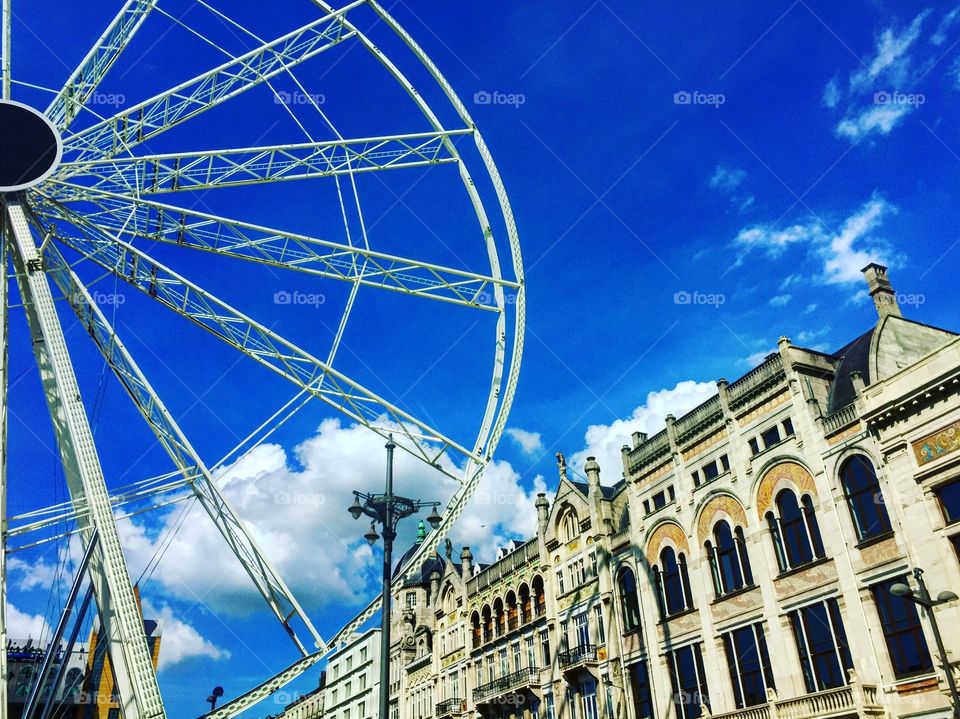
(372, 535)
(901, 590)
(356, 509)
(434, 518)
(945, 596)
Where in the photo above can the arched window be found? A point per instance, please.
(673, 583)
(729, 562)
(570, 526)
(796, 535)
(864, 498)
(629, 601)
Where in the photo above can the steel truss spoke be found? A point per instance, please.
(253, 165)
(157, 222)
(158, 114)
(171, 437)
(256, 341)
(86, 78)
(123, 625)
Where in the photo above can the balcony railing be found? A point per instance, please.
(769, 373)
(451, 707)
(519, 557)
(854, 699)
(511, 623)
(578, 656)
(529, 677)
(840, 419)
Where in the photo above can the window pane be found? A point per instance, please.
(794, 530)
(949, 495)
(901, 629)
(640, 688)
(864, 497)
(689, 694)
(770, 437)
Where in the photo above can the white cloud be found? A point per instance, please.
(530, 442)
(810, 308)
(831, 94)
(940, 35)
(775, 242)
(880, 118)
(21, 625)
(843, 261)
(843, 253)
(780, 300)
(891, 59)
(757, 358)
(604, 441)
(179, 640)
(727, 178)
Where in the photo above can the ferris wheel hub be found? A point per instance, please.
(30, 147)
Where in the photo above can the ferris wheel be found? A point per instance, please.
(88, 194)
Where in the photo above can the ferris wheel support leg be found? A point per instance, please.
(130, 657)
(4, 376)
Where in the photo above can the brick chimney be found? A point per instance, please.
(884, 298)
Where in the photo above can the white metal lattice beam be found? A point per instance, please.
(133, 218)
(122, 622)
(85, 80)
(168, 109)
(152, 174)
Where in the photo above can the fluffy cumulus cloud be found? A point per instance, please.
(530, 442)
(884, 89)
(23, 625)
(180, 641)
(604, 441)
(841, 252)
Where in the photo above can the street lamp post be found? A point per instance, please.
(388, 509)
(922, 597)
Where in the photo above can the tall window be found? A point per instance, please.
(948, 495)
(689, 681)
(560, 585)
(640, 689)
(673, 583)
(795, 532)
(588, 694)
(629, 602)
(749, 663)
(864, 498)
(729, 562)
(598, 618)
(545, 647)
(571, 526)
(901, 629)
(822, 645)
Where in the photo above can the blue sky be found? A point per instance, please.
(690, 183)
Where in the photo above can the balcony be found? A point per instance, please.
(512, 683)
(582, 657)
(451, 707)
(854, 700)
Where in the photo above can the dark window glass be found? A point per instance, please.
(793, 530)
(864, 497)
(810, 516)
(659, 500)
(673, 589)
(728, 561)
(770, 437)
(689, 682)
(646, 506)
(949, 496)
(710, 471)
(901, 628)
(696, 479)
(629, 602)
(640, 686)
(754, 446)
(749, 664)
(787, 427)
(673, 494)
(822, 645)
(725, 462)
(744, 556)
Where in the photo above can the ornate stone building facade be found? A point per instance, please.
(740, 568)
